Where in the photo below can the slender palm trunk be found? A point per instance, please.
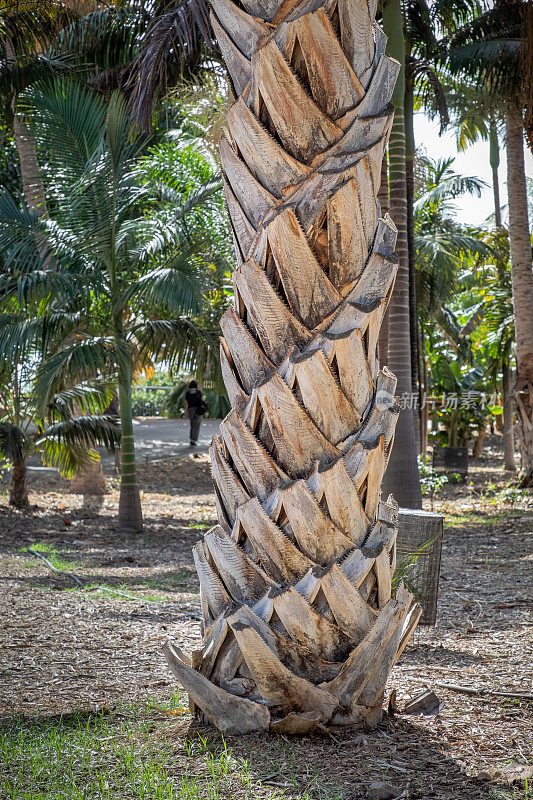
(522, 284)
(494, 154)
(402, 478)
(32, 182)
(478, 443)
(296, 633)
(508, 434)
(129, 508)
(424, 406)
(410, 151)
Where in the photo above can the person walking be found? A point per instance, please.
(195, 407)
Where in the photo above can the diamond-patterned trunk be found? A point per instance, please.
(300, 628)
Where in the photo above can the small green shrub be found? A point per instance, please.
(430, 481)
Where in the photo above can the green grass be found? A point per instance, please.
(96, 756)
(48, 552)
(476, 518)
(137, 753)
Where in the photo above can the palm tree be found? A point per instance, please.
(140, 49)
(64, 439)
(412, 28)
(441, 245)
(402, 478)
(476, 118)
(26, 29)
(300, 625)
(107, 261)
(522, 283)
(489, 52)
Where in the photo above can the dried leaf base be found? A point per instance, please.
(300, 628)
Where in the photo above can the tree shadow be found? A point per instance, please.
(435, 654)
(343, 764)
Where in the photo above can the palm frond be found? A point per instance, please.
(85, 431)
(182, 343)
(68, 459)
(92, 398)
(177, 287)
(173, 46)
(431, 91)
(29, 25)
(69, 120)
(107, 37)
(86, 358)
(16, 74)
(452, 187)
(159, 233)
(487, 49)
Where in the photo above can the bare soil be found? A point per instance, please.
(66, 649)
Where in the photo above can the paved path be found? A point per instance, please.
(155, 437)
(158, 437)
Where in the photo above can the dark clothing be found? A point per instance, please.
(193, 398)
(195, 420)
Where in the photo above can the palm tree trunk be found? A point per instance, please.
(494, 155)
(30, 171)
(384, 202)
(522, 285)
(410, 151)
(129, 507)
(18, 492)
(478, 443)
(424, 405)
(300, 628)
(508, 434)
(402, 478)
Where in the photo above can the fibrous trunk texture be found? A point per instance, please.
(522, 284)
(300, 628)
(18, 492)
(508, 433)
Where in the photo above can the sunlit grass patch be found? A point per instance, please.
(52, 556)
(133, 753)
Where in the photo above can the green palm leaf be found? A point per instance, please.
(87, 358)
(69, 119)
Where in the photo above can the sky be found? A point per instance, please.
(473, 162)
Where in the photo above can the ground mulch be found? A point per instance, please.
(65, 649)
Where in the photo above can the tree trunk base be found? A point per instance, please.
(525, 480)
(18, 492)
(478, 444)
(524, 414)
(250, 678)
(129, 509)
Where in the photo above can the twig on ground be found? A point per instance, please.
(453, 687)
